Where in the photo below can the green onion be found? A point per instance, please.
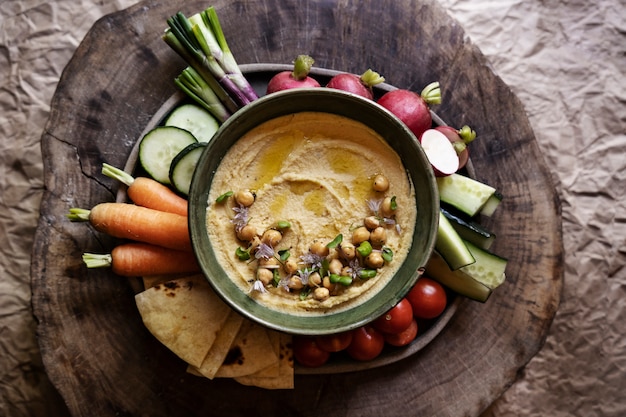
(223, 197)
(367, 273)
(242, 254)
(335, 242)
(200, 41)
(195, 86)
(364, 249)
(284, 254)
(387, 254)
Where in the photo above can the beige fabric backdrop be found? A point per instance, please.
(565, 59)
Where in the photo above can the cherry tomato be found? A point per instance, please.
(308, 353)
(428, 298)
(367, 343)
(334, 342)
(403, 338)
(395, 320)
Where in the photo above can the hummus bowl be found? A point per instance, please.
(307, 158)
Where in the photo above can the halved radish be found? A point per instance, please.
(459, 139)
(440, 152)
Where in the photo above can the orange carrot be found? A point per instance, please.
(129, 221)
(143, 259)
(147, 192)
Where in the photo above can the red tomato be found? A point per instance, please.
(428, 298)
(334, 342)
(367, 343)
(308, 353)
(402, 338)
(395, 320)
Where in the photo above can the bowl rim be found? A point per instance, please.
(346, 104)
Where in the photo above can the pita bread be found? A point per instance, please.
(250, 352)
(185, 315)
(285, 377)
(225, 338)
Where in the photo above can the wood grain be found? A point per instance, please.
(95, 348)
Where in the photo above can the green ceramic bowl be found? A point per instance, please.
(343, 104)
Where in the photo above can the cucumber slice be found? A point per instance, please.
(195, 119)
(450, 245)
(489, 268)
(159, 147)
(183, 166)
(458, 281)
(464, 193)
(470, 230)
(491, 205)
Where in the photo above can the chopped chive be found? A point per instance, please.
(242, 254)
(364, 249)
(387, 254)
(223, 197)
(335, 242)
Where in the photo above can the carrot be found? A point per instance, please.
(143, 259)
(129, 221)
(147, 192)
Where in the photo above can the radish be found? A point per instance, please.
(440, 152)
(412, 108)
(298, 78)
(459, 139)
(352, 83)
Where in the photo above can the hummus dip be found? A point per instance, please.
(315, 172)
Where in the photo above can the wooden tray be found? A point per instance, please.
(94, 346)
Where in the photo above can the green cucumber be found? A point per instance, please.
(450, 245)
(458, 281)
(470, 230)
(464, 193)
(183, 166)
(491, 205)
(159, 147)
(195, 119)
(489, 268)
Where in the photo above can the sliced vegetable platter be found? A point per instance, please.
(259, 75)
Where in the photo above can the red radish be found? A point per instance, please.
(352, 83)
(412, 108)
(459, 139)
(440, 152)
(298, 78)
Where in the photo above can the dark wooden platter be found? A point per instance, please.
(96, 350)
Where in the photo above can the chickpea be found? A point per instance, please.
(268, 262)
(295, 283)
(246, 233)
(371, 222)
(334, 266)
(345, 271)
(291, 266)
(385, 207)
(264, 275)
(315, 279)
(327, 284)
(318, 248)
(360, 234)
(254, 244)
(347, 250)
(244, 198)
(271, 237)
(321, 294)
(381, 183)
(378, 237)
(374, 260)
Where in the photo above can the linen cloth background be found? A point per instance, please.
(566, 61)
